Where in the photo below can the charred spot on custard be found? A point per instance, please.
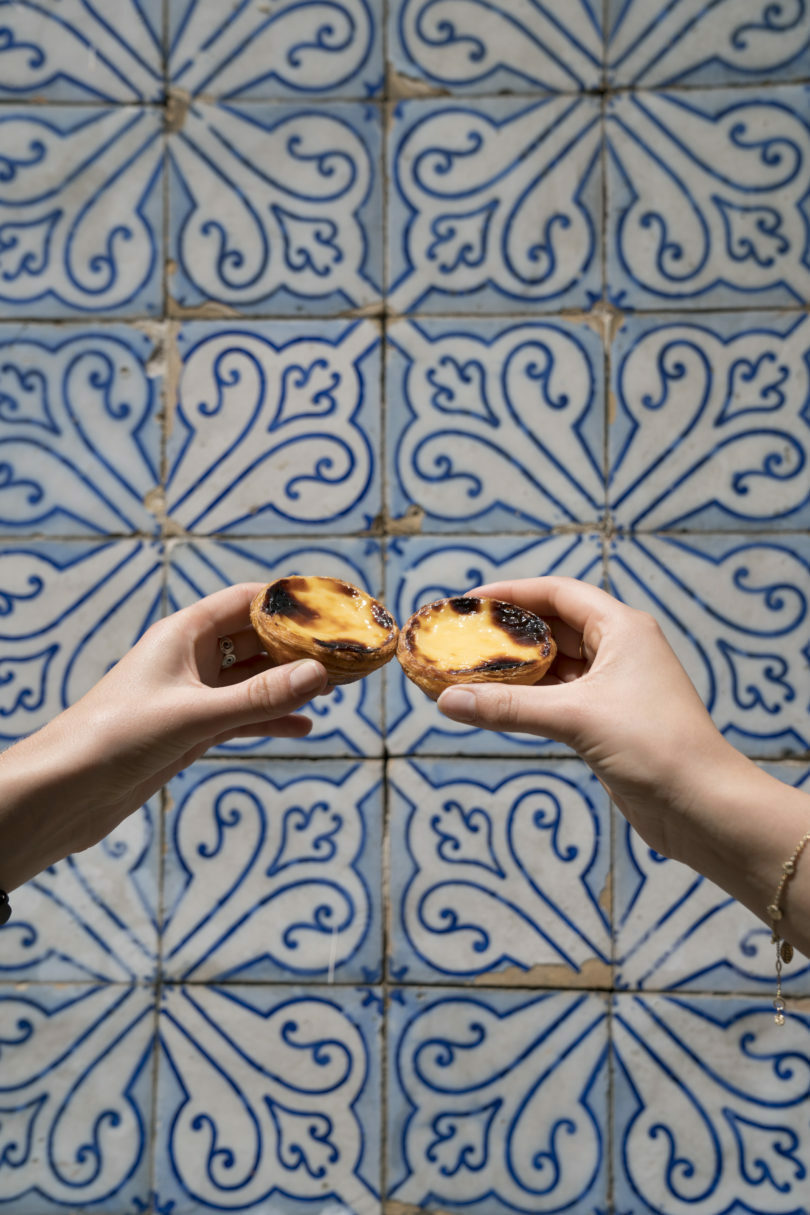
(381, 617)
(355, 647)
(524, 628)
(464, 605)
(499, 664)
(280, 601)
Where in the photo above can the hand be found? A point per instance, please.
(161, 707)
(617, 695)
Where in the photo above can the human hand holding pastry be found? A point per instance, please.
(171, 697)
(618, 696)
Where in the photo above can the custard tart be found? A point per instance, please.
(470, 640)
(341, 625)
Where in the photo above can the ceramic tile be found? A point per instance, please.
(79, 431)
(710, 1106)
(504, 46)
(495, 205)
(423, 568)
(347, 722)
(276, 429)
(280, 50)
(273, 871)
(499, 872)
(268, 1100)
(71, 52)
(495, 426)
(276, 207)
(735, 610)
(712, 428)
(498, 1101)
(81, 210)
(69, 611)
(691, 42)
(706, 198)
(675, 929)
(75, 1098)
(93, 915)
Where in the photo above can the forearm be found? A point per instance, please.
(46, 810)
(737, 827)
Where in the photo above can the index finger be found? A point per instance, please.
(576, 603)
(225, 610)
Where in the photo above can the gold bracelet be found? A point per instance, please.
(784, 949)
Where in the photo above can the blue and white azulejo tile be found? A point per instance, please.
(676, 929)
(70, 51)
(68, 611)
(273, 871)
(495, 426)
(690, 42)
(497, 46)
(498, 1101)
(269, 1099)
(76, 1066)
(735, 610)
(707, 197)
(423, 568)
(79, 430)
(81, 210)
(277, 428)
(712, 426)
(710, 1101)
(498, 871)
(292, 48)
(276, 207)
(495, 205)
(347, 722)
(91, 916)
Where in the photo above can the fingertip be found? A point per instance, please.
(459, 703)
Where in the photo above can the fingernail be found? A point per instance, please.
(306, 677)
(459, 704)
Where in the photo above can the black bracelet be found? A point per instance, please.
(5, 907)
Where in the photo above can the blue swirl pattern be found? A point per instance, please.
(707, 198)
(697, 43)
(72, 51)
(500, 1100)
(292, 48)
(495, 205)
(271, 872)
(80, 210)
(708, 1105)
(712, 427)
(263, 1096)
(497, 870)
(735, 610)
(276, 429)
(501, 423)
(277, 204)
(490, 46)
(79, 435)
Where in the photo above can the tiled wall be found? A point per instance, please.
(416, 293)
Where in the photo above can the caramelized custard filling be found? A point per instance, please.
(470, 636)
(335, 614)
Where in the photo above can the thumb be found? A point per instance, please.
(551, 711)
(264, 697)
